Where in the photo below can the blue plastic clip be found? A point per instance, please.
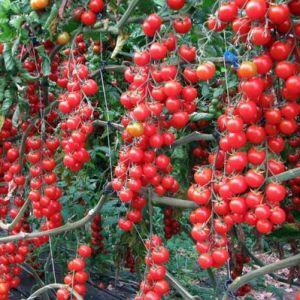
(231, 58)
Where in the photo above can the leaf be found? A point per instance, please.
(16, 22)
(46, 64)
(5, 5)
(218, 92)
(51, 17)
(15, 116)
(121, 40)
(205, 90)
(2, 119)
(8, 59)
(15, 47)
(201, 116)
(7, 103)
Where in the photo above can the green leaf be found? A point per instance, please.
(7, 103)
(201, 116)
(16, 116)
(5, 5)
(2, 88)
(52, 15)
(8, 58)
(15, 47)
(205, 90)
(16, 22)
(46, 64)
(218, 92)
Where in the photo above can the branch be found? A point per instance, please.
(261, 264)
(105, 123)
(64, 228)
(54, 286)
(180, 289)
(291, 174)
(173, 202)
(127, 14)
(282, 264)
(193, 137)
(110, 68)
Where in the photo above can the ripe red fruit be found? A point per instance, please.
(256, 9)
(227, 12)
(275, 192)
(84, 251)
(125, 225)
(205, 261)
(88, 18)
(77, 264)
(264, 226)
(96, 6)
(176, 4)
(158, 51)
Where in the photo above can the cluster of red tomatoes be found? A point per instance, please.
(77, 276)
(172, 225)
(97, 237)
(158, 101)
(254, 129)
(44, 193)
(155, 286)
(11, 255)
(75, 104)
(89, 17)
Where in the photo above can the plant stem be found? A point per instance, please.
(127, 14)
(64, 228)
(282, 264)
(193, 137)
(180, 289)
(54, 286)
(285, 176)
(173, 202)
(261, 264)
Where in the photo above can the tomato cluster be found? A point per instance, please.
(155, 286)
(160, 98)
(77, 276)
(89, 17)
(13, 253)
(172, 225)
(75, 104)
(254, 127)
(97, 237)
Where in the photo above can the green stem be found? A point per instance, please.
(61, 229)
(282, 264)
(127, 14)
(180, 289)
(193, 137)
(173, 202)
(261, 264)
(285, 176)
(54, 286)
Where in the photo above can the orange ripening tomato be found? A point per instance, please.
(63, 38)
(247, 69)
(135, 129)
(39, 4)
(206, 71)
